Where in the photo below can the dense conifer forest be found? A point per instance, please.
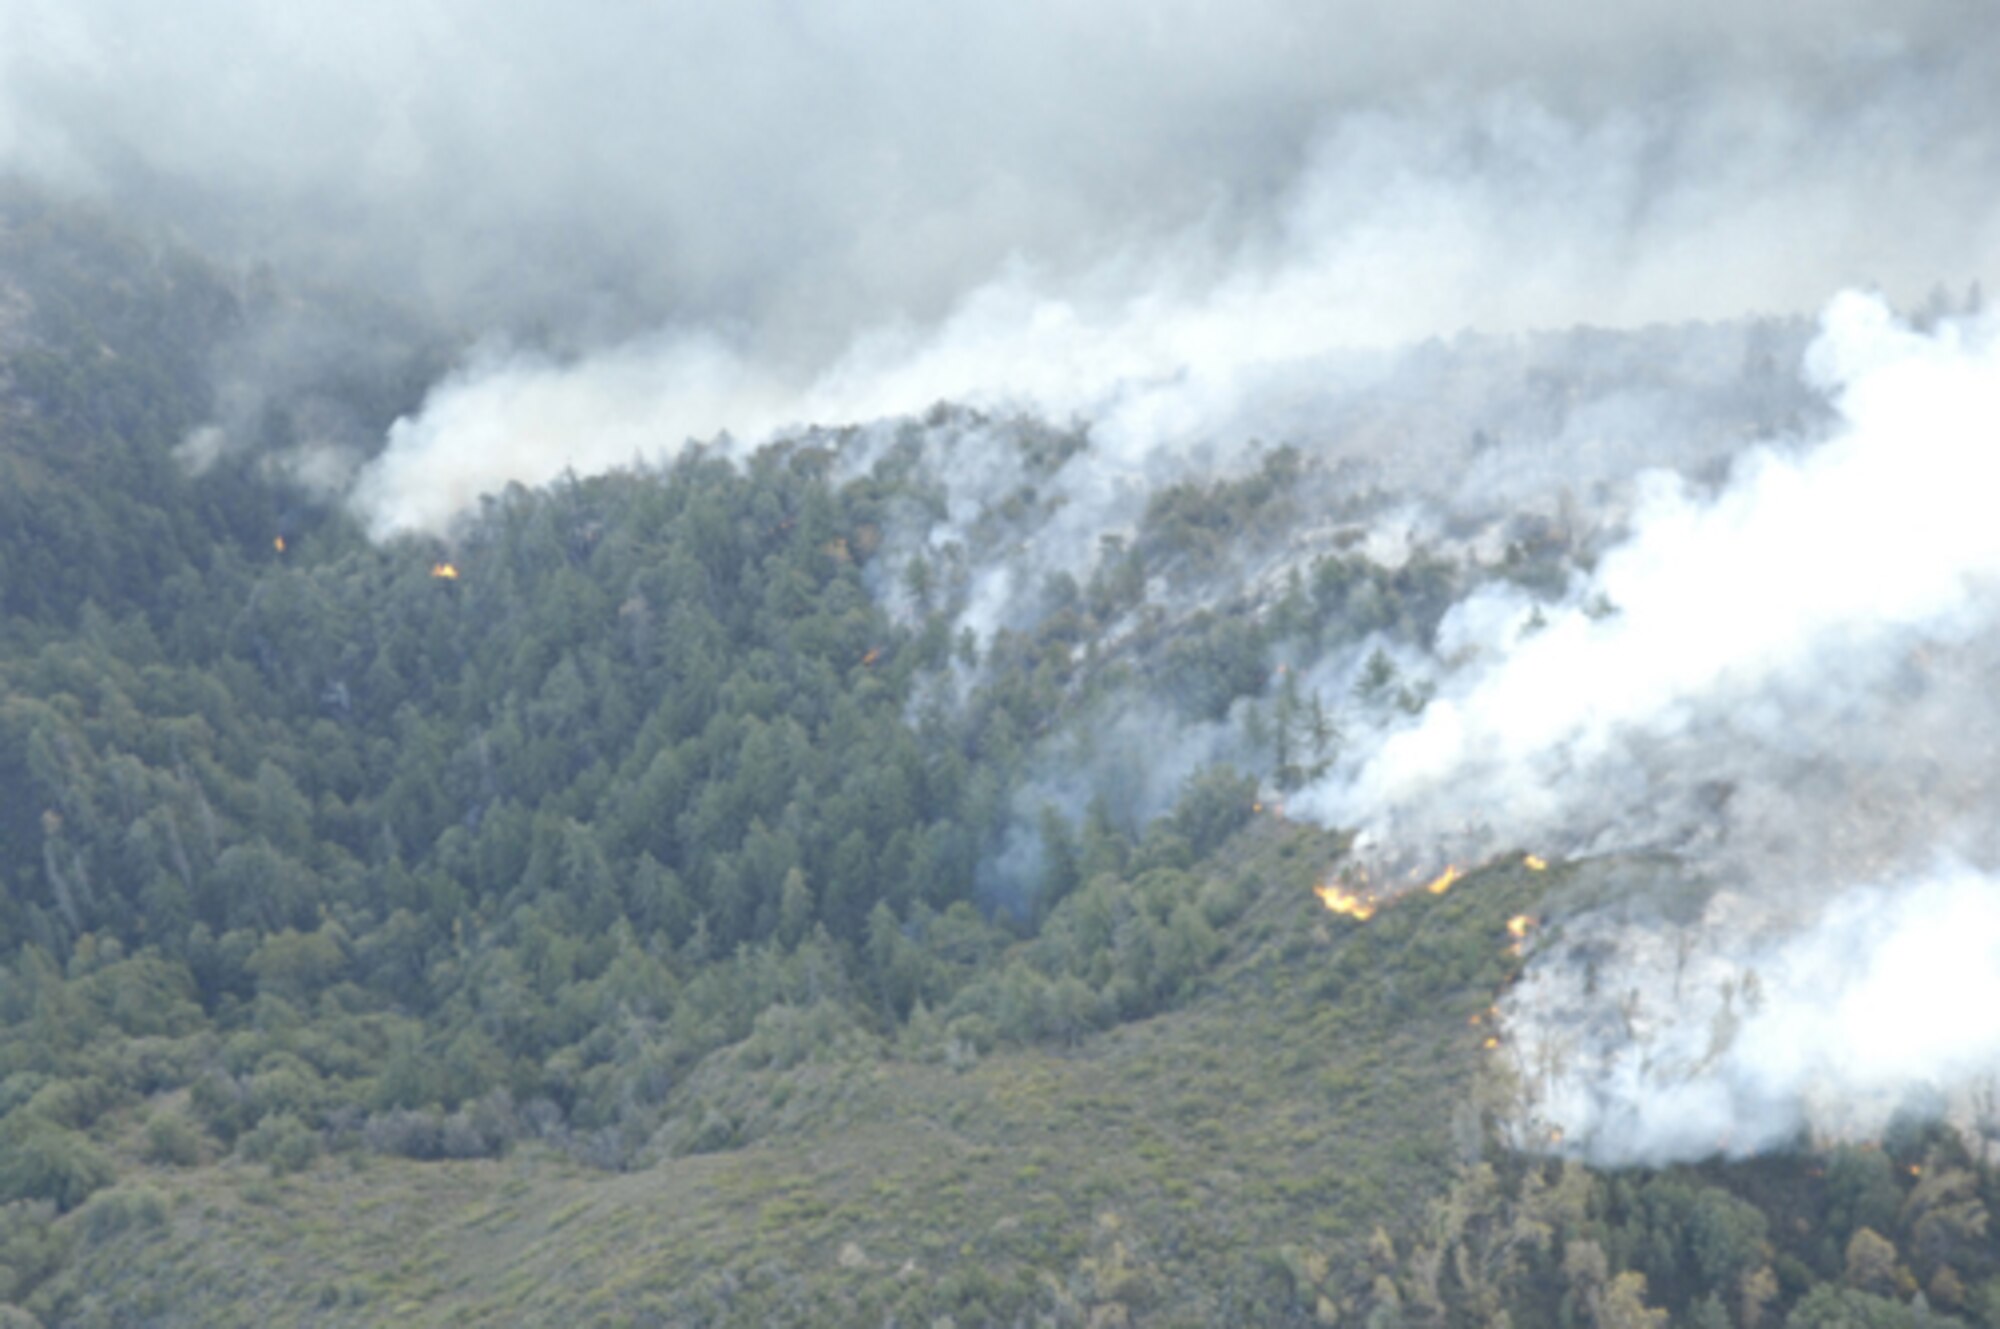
(653, 881)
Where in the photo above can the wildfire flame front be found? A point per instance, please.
(1517, 928)
(1360, 908)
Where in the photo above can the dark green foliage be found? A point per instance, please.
(1860, 1192)
(406, 842)
(1827, 1307)
(1189, 528)
(1723, 1244)
(282, 1141)
(171, 1140)
(1212, 661)
(1215, 805)
(119, 1210)
(41, 1159)
(31, 1248)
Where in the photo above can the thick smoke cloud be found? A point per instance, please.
(1788, 682)
(1750, 1027)
(1816, 569)
(703, 219)
(1500, 215)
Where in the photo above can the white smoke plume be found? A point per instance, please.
(1500, 215)
(1152, 215)
(796, 174)
(1787, 681)
(1816, 567)
(1753, 1027)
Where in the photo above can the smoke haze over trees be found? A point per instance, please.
(768, 219)
(669, 589)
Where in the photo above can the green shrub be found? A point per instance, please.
(20, 1087)
(283, 1142)
(121, 1209)
(1223, 899)
(172, 1140)
(75, 1102)
(222, 1105)
(285, 1084)
(32, 1248)
(42, 1160)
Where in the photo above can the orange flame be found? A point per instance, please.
(874, 654)
(1360, 908)
(444, 572)
(278, 543)
(1534, 864)
(1445, 881)
(1518, 925)
(1492, 1043)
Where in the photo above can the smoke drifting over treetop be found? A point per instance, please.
(826, 166)
(1789, 683)
(1848, 553)
(1175, 228)
(786, 215)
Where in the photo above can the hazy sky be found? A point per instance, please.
(789, 173)
(670, 220)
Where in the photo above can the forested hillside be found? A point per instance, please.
(654, 904)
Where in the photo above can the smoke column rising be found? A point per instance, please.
(1850, 551)
(670, 221)
(1752, 1027)
(1497, 214)
(1819, 637)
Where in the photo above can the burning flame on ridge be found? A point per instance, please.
(1361, 905)
(444, 572)
(1517, 928)
(278, 543)
(1358, 907)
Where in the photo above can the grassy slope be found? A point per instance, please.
(1230, 1155)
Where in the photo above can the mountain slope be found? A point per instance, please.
(1225, 1162)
